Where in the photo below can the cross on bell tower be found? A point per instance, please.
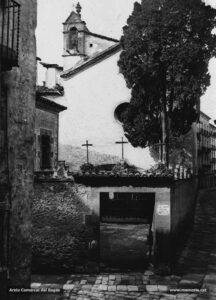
(78, 9)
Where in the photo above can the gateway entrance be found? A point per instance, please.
(126, 237)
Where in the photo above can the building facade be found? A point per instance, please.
(17, 115)
(96, 95)
(47, 126)
(95, 91)
(213, 147)
(206, 138)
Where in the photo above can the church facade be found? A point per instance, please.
(95, 94)
(95, 91)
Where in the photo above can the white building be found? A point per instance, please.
(206, 136)
(94, 88)
(96, 93)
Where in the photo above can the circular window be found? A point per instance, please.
(120, 109)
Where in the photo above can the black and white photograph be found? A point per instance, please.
(107, 149)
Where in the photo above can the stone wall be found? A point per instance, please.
(69, 234)
(4, 194)
(173, 214)
(161, 223)
(66, 224)
(64, 230)
(18, 91)
(183, 201)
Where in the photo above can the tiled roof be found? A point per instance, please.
(56, 91)
(43, 102)
(49, 98)
(156, 176)
(56, 66)
(125, 170)
(169, 174)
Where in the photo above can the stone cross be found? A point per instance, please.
(87, 145)
(122, 143)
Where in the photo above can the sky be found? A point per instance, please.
(106, 17)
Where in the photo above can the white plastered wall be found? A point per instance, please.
(92, 96)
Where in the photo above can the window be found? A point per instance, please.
(120, 110)
(73, 38)
(45, 151)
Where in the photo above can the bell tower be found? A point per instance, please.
(74, 38)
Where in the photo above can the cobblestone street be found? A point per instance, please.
(195, 275)
(125, 286)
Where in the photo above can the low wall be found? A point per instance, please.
(66, 223)
(173, 214)
(63, 230)
(207, 181)
(183, 201)
(161, 218)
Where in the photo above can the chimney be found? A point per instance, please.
(50, 77)
(52, 74)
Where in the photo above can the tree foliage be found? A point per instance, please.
(167, 45)
(181, 150)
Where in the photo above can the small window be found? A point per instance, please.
(45, 152)
(73, 38)
(90, 45)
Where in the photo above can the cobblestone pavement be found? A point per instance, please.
(197, 269)
(141, 286)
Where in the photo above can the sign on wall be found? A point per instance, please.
(163, 210)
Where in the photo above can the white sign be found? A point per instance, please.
(163, 210)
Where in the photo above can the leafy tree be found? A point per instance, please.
(167, 45)
(180, 150)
